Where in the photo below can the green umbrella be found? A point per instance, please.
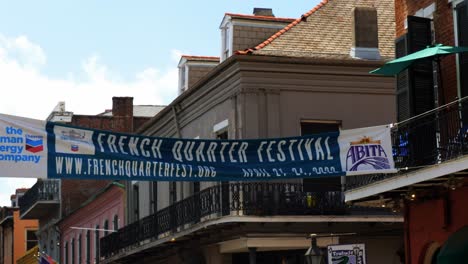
(396, 66)
(455, 249)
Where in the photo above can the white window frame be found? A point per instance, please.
(455, 32)
(227, 28)
(221, 126)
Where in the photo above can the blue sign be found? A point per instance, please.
(68, 152)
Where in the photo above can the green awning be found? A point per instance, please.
(455, 249)
(396, 66)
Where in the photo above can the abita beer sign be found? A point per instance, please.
(39, 149)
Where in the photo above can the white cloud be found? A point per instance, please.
(27, 91)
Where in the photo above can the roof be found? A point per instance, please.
(200, 58)
(262, 18)
(322, 32)
(140, 110)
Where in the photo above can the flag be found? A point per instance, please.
(46, 259)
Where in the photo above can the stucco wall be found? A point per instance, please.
(20, 227)
(104, 207)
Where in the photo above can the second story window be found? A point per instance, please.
(226, 44)
(310, 127)
(31, 239)
(106, 228)
(116, 222)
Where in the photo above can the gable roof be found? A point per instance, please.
(200, 58)
(261, 18)
(325, 32)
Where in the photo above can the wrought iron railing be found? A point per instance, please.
(43, 190)
(430, 138)
(247, 199)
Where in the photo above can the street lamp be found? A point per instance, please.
(314, 255)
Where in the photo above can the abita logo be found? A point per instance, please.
(366, 154)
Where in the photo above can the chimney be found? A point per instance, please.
(263, 12)
(365, 34)
(122, 106)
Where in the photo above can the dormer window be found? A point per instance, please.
(183, 84)
(227, 42)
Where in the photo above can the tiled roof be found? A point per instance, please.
(200, 58)
(325, 31)
(263, 18)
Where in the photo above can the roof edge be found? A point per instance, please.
(284, 30)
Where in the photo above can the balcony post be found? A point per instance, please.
(252, 255)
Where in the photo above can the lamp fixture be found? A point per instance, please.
(453, 183)
(411, 194)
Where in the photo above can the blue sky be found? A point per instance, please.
(84, 52)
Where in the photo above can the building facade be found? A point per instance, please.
(308, 76)
(97, 217)
(430, 148)
(17, 236)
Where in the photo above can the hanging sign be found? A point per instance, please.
(347, 254)
(39, 149)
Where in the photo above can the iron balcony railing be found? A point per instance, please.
(247, 199)
(43, 190)
(427, 139)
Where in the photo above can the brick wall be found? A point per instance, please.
(444, 33)
(426, 222)
(76, 192)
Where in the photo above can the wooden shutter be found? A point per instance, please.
(419, 36)
(415, 91)
(462, 25)
(403, 83)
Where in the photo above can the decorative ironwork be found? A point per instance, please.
(43, 190)
(247, 199)
(431, 138)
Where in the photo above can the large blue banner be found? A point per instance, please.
(33, 148)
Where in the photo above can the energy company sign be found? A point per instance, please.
(38, 149)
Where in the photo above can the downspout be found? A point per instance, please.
(176, 121)
(177, 127)
(13, 240)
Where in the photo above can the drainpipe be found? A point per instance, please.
(13, 240)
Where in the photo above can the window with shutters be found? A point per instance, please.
(96, 244)
(80, 249)
(416, 93)
(310, 127)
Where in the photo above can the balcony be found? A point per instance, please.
(40, 200)
(427, 149)
(231, 199)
